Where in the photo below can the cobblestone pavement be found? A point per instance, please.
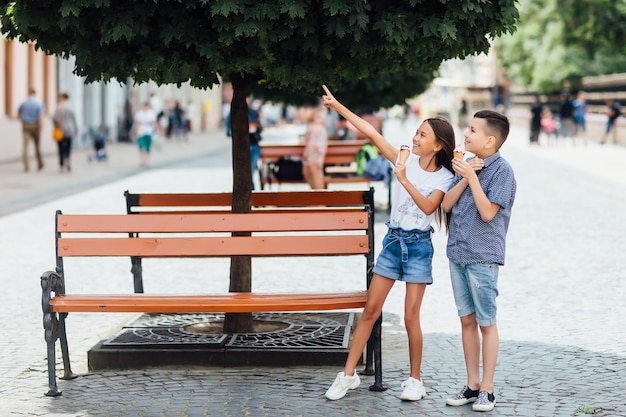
(561, 308)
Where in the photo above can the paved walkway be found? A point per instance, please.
(561, 315)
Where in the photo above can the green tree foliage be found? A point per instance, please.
(288, 43)
(564, 40)
(292, 45)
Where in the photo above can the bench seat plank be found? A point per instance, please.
(228, 303)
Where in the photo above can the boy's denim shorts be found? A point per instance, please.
(475, 288)
(406, 256)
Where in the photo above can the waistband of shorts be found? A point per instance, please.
(407, 233)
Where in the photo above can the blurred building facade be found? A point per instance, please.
(110, 104)
(475, 79)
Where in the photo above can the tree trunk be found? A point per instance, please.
(240, 266)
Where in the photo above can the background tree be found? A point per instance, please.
(564, 40)
(294, 45)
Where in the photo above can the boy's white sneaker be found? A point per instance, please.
(413, 390)
(341, 385)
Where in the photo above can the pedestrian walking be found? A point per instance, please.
(31, 114)
(422, 180)
(614, 111)
(479, 203)
(463, 115)
(580, 113)
(65, 120)
(145, 125)
(536, 114)
(566, 116)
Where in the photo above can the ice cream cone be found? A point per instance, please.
(459, 153)
(404, 153)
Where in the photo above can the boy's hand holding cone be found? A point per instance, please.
(459, 153)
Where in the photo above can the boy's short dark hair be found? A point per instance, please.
(497, 124)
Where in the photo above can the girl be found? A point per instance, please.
(407, 249)
(315, 146)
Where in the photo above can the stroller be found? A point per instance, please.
(99, 145)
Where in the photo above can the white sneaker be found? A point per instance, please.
(413, 390)
(341, 385)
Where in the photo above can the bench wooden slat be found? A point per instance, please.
(213, 222)
(275, 151)
(184, 199)
(259, 198)
(229, 303)
(225, 246)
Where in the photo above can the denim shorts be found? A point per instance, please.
(406, 256)
(475, 288)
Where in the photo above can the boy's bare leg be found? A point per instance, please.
(471, 350)
(491, 341)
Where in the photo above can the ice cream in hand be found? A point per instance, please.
(459, 151)
(405, 150)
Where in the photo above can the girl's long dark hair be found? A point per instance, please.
(444, 133)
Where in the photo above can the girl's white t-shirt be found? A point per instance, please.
(404, 212)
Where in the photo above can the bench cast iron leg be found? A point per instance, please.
(54, 328)
(376, 337)
(52, 380)
(50, 326)
(65, 353)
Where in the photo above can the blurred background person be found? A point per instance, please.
(315, 145)
(580, 115)
(536, 114)
(614, 111)
(144, 127)
(31, 114)
(65, 119)
(566, 117)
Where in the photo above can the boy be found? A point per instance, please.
(480, 203)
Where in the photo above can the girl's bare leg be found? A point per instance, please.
(376, 295)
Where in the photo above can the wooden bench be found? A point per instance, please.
(338, 163)
(189, 203)
(339, 232)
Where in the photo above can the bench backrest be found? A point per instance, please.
(261, 200)
(341, 152)
(337, 232)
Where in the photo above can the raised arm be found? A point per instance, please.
(384, 147)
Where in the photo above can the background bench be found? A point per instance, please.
(189, 203)
(340, 232)
(338, 163)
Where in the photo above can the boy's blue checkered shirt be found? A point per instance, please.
(471, 240)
